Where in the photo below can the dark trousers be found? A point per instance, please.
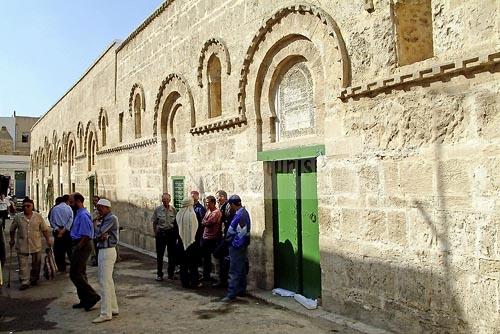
(4, 214)
(237, 271)
(166, 239)
(62, 247)
(78, 273)
(189, 266)
(3, 247)
(222, 254)
(207, 249)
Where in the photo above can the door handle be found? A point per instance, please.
(312, 217)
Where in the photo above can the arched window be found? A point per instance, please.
(59, 176)
(294, 104)
(50, 161)
(214, 70)
(79, 134)
(103, 124)
(71, 153)
(91, 150)
(137, 115)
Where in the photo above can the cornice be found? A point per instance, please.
(218, 125)
(440, 72)
(131, 146)
(145, 23)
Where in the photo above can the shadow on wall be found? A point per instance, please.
(397, 296)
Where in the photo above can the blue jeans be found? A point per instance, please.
(237, 271)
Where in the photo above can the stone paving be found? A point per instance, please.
(146, 306)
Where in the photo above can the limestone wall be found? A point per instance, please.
(407, 188)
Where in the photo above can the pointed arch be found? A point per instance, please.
(217, 47)
(90, 129)
(136, 91)
(341, 61)
(174, 84)
(80, 134)
(103, 125)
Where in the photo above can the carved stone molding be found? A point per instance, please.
(218, 125)
(103, 118)
(212, 46)
(435, 73)
(304, 9)
(131, 146)
(136, 88)
(90, 128)
(170, 79)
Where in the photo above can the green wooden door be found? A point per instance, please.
(296, 229)
(286, 234)
(308, 199)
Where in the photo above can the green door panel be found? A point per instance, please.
(311, 270)
(287, 261)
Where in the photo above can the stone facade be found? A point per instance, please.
(15, 154)
(406, 109)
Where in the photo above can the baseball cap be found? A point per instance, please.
(234, 199)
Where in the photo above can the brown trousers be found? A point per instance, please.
(36, 262)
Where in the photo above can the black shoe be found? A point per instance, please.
(23, 287)
(79, 305)
(33, 283)
(219, 285)
(90, 305)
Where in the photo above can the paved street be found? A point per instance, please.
(146, 306)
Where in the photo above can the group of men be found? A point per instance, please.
(220, 228)
(73, 232)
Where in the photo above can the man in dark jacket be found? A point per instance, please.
(238, 237)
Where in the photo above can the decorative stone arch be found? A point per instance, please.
(173, 87)
(303, 16)
(50, 160)
(297, 34)
(174, 93)
(80, 134)
(213, 46)
(70, 138)
(103, 124)
(136, 89)
(91, 144)
(54, 139)
(137, 106)
(90, 129)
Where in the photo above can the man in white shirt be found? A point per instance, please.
(61, 219)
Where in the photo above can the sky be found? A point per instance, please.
(47, 45)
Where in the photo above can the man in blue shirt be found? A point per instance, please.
(82, 233)
(61, 220)
(238, 238)
(200, 211)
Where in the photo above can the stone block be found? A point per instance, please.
(344, 180)
(376, 225)
(397, 228)
(416, 177)
(352, 224)
(369, 178)
(453, 177)
(392, 184)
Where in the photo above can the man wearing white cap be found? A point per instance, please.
(106, 234)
